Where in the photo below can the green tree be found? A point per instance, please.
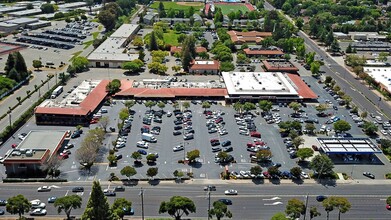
(247, 106)
(349, 49)
(279, 216)
(328, 206)
(151, 158)
(112, 159)
(138, 42)
(295, 106)
(295, 208)
(107, 19)
(80, 64)
(322, 165)
(113, 86)
(383, 56)
(136, 156)
(20, 64)
(67, 203)
(220, 210)
(119, 205)
(273, 171)
(238, 107)
(97, 207)
(133, 66)
(37, 64)
(47, 8)
(296, 171)
(263, 155)
(18, 205)
(188, 52)
(256, 170)
(342, 126)
(161, 105)
(205, 105)
(128, 171)
(141, 55)
(186, 105)
(265, 105)
(192, 155)
(388, 200)
(150, 104)
(177, 206)
(342, 204)
(321, 108)
(129, 104)
(10, 64)
(153, 42)
(304, 153)
(178, 174)
(176, 68)
(297, 141)
(370, 128)
(310, 128)
(157, 68)
(152, 171)
(314, 212)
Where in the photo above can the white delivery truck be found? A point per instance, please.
(148, 137)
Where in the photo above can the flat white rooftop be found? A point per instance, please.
(381, 75)
(258, 83)
(348, 146)
(112, 49)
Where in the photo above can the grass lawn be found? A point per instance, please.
(179, 5)
(171, 37)
(227, 8)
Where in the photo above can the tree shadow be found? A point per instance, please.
(195, 164)
(154, 182)
(132, 182)
(327, 182)
(88, 173)
(179, 181)
(151, 163)
(127, 73)
(138, 164)
(258, 181)
(275, 181)
(304, 164)
(298, 181)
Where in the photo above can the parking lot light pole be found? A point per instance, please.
(142, 202)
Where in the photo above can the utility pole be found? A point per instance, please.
(306, 204)
(208, 202)
(142, 202)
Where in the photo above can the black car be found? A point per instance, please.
(210, 188)
(157, 120)
(321, 198)
(178, 127)
(119, 189)
(216, 149)
(226, 143)
(228, 149)
(226, 201)
(176, 133)
(228, 159)
(178, 122)
(75, 135)
(2, 212)
(3, 202)
(78, 189)
(118, 156)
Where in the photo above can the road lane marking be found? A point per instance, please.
(274, 203)
(67, 193)
(274, 198)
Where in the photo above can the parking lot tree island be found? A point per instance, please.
(342, 126)
(152, 171)
(67, 203)
(304, 153)
(256, 170)
(296, 172)
(177, 206)
(322, 165)
(128, 171)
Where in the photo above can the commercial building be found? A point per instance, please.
(178, 49)
(258, 51)
(204, 67)
(251, 37)
(75, 109)
(172, 21)
(71, 5)
(367, 36)
(112, 52)
(266, 85)
(39, 24)
(35, 150)
(382, 75)
(372, 46)
(28, 12)
(278, 65)
(6, 10)
(149, 18)
(15, 24)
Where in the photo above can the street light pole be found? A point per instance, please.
(208, 201)
(142, 202)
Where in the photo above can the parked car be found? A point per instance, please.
(226, 143)
(369, 175)
(178, 148)
(175, 133)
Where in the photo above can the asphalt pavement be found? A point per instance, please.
(252, 201)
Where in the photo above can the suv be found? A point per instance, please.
(78, 189)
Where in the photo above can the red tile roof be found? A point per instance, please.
(211, 65)
(89, 104)
(302, 88)
(263, 52)
(173, 92)
(175, 49)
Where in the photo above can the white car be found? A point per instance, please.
(44, 189)
(230, 192)
(305, 175)
(142, 144)
(244, 133)
(22, 136)
(244, 174)
(38, 211)
(37, 204)
(69, 146)
(178, 148)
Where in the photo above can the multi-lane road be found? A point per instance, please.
(254, 201)
(365, 99)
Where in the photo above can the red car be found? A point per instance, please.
(14, 145)
(260, 143)
(249, 144)
(266, 174)
(63, 156)
(93, 121)
(388, 207)
(255, 134)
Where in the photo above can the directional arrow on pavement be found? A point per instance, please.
(55, 187)
(274, 198)
(274, 203)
